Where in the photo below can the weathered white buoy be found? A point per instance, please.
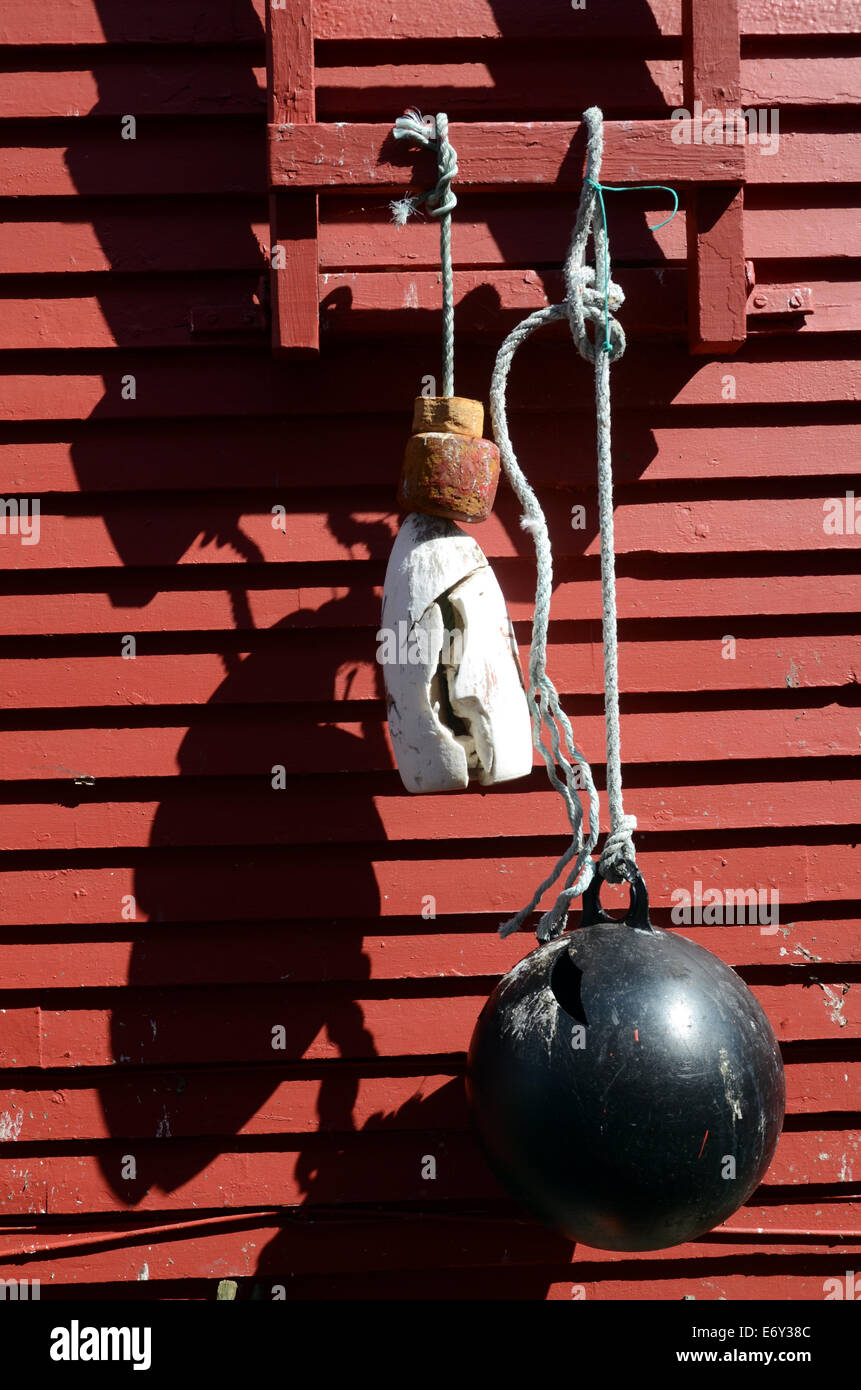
(454, 688)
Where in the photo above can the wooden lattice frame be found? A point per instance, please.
(306, 156)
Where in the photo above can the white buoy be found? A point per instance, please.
(456, 703)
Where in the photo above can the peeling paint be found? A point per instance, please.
(10, 1125)
(835, 1002)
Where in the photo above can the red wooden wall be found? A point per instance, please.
(163, 907)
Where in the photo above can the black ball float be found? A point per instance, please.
(625, 1084)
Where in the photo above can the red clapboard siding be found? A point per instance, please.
(100, 235)
(199, 887)
(196, 1104)
(316, 815)
(421, 1248)
(699, 527)
(221, 81)
(250, 383)
(204, 1027)
(201, 610)
(157, 747)
(168, 315)
(646, 667)
(357, 1167)
(201, 955)
(577, 667)
(200, 160)
(202, 454)
(162, 906)
(191, 21)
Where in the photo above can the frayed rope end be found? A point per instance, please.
(402, 209)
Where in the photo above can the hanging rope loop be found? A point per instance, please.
(591, 297)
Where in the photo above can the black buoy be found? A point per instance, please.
(625, 1083)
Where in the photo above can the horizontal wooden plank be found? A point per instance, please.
(367, 1168)
(216, 81)
(160, 22)
(549, 377)
(186, 156)
(201, 455)
(196, 609)
(206, 955)
(527, 85)
(788, 662)
(157, 314)
(796, 80)
(408, 303)
(363, 155)
(104, 235)
(320, 810)
(549, 153)
(194, 1104)
(195, 158)
(100, 235)
(482, 1253)
(504, 230)
(506, 19)
(191, 534)
(197, 81)
(799, 152)
(155, 22)
(220, 745)
(196, 886)
(143, 314)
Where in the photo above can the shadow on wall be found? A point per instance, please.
(165, 879)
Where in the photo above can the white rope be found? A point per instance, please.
(433, 134)
(591, 297)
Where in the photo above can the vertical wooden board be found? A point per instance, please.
(715, 215)
(293, 216)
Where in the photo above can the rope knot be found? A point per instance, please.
(585, 303)
(430, 133)
(618, 847)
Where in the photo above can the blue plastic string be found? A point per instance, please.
(601, 189)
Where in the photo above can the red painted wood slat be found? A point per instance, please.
(184, 533)
(105, 236)
(293, 216)
(195, 886)
(323, 810)
(206, 955)
(195, 1104)
(717, 292)
(194, 679)
(213, 609)
(248, 383)
(202, 454)
(159, 22)
(158, 747)
(360, 155)
(366, 1168)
